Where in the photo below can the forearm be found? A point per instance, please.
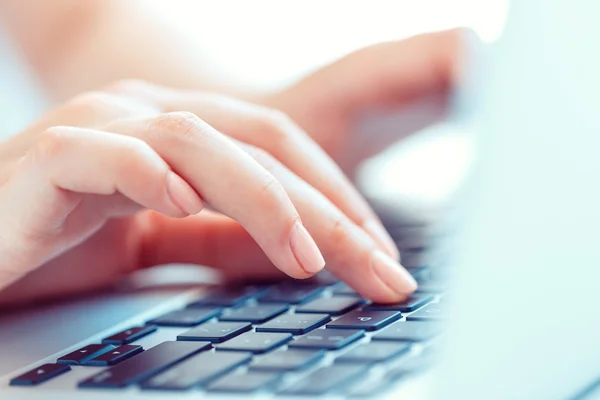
(78, 46)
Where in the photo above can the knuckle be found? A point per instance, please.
(94, 100)
(128, 86)
(48, 144)
(271, 192)
(276, 127)
(179, 126)
(339, 230)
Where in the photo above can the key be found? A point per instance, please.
(288, 360)
(325, 379)
(367, 320)
(145, 364)
(293, 293)
(216, 332)
(344, 289)
(244, 383)
(411, 304)
(197, 371)
(187, 317)
(374, 352)
(129, 335)
(432, 287)
(115, 356)
(40, 374)
(335, 305)
(409, 332)
(328, 339)
(296, 324)
(255, 342)
(254, 313)
(431, 312)
(78, 357)
(227, 297)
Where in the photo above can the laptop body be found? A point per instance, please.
(523, 298)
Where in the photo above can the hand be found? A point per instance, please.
(113, 181)
(387, 76)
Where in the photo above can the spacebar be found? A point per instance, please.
(145, 364)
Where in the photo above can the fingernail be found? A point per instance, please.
(380, 235)
(305, 249)
(392, 274)
(182, 195)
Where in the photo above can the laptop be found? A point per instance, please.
(510, 313)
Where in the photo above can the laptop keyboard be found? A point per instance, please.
(310, 337)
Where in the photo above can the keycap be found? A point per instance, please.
(255, 342)
(187, 317)
(364, 319)
(115, 356)
(411, 304)
(336, 305)
(145, 364)
(78, 357)
(325, 379)
(40, 374)
(328, 339)
(374, 352)
(197, 371)
(288, 360)
(409, 331)
(431, 312)
(227, 297)
(129, 335)
(293, 293)
(254, 313)
(215, 332)
(344, 289)
(296, 324)
(247, 382)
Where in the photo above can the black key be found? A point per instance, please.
(78, 357)
(411, 304)
(40, 374)
(336, 305)
(187, 317)
(329, 339)
(227, 297)
(129, 335)
(344, 289)
(431, 312)
(197, 371)
(145, 364)
(254, 313)
(216, 332)
(296, 324)
(293, 293)
(325, 379)
(409, 332)
(248, 382)
(325, 278)
(367, 320)
(374, 352)
(288, 360)
(255, 342)
(115, 356)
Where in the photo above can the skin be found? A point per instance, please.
(249, 163)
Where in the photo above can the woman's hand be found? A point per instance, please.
(386, 76)
(113, 181)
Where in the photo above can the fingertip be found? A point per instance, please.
(305, 249)
(182, 195)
